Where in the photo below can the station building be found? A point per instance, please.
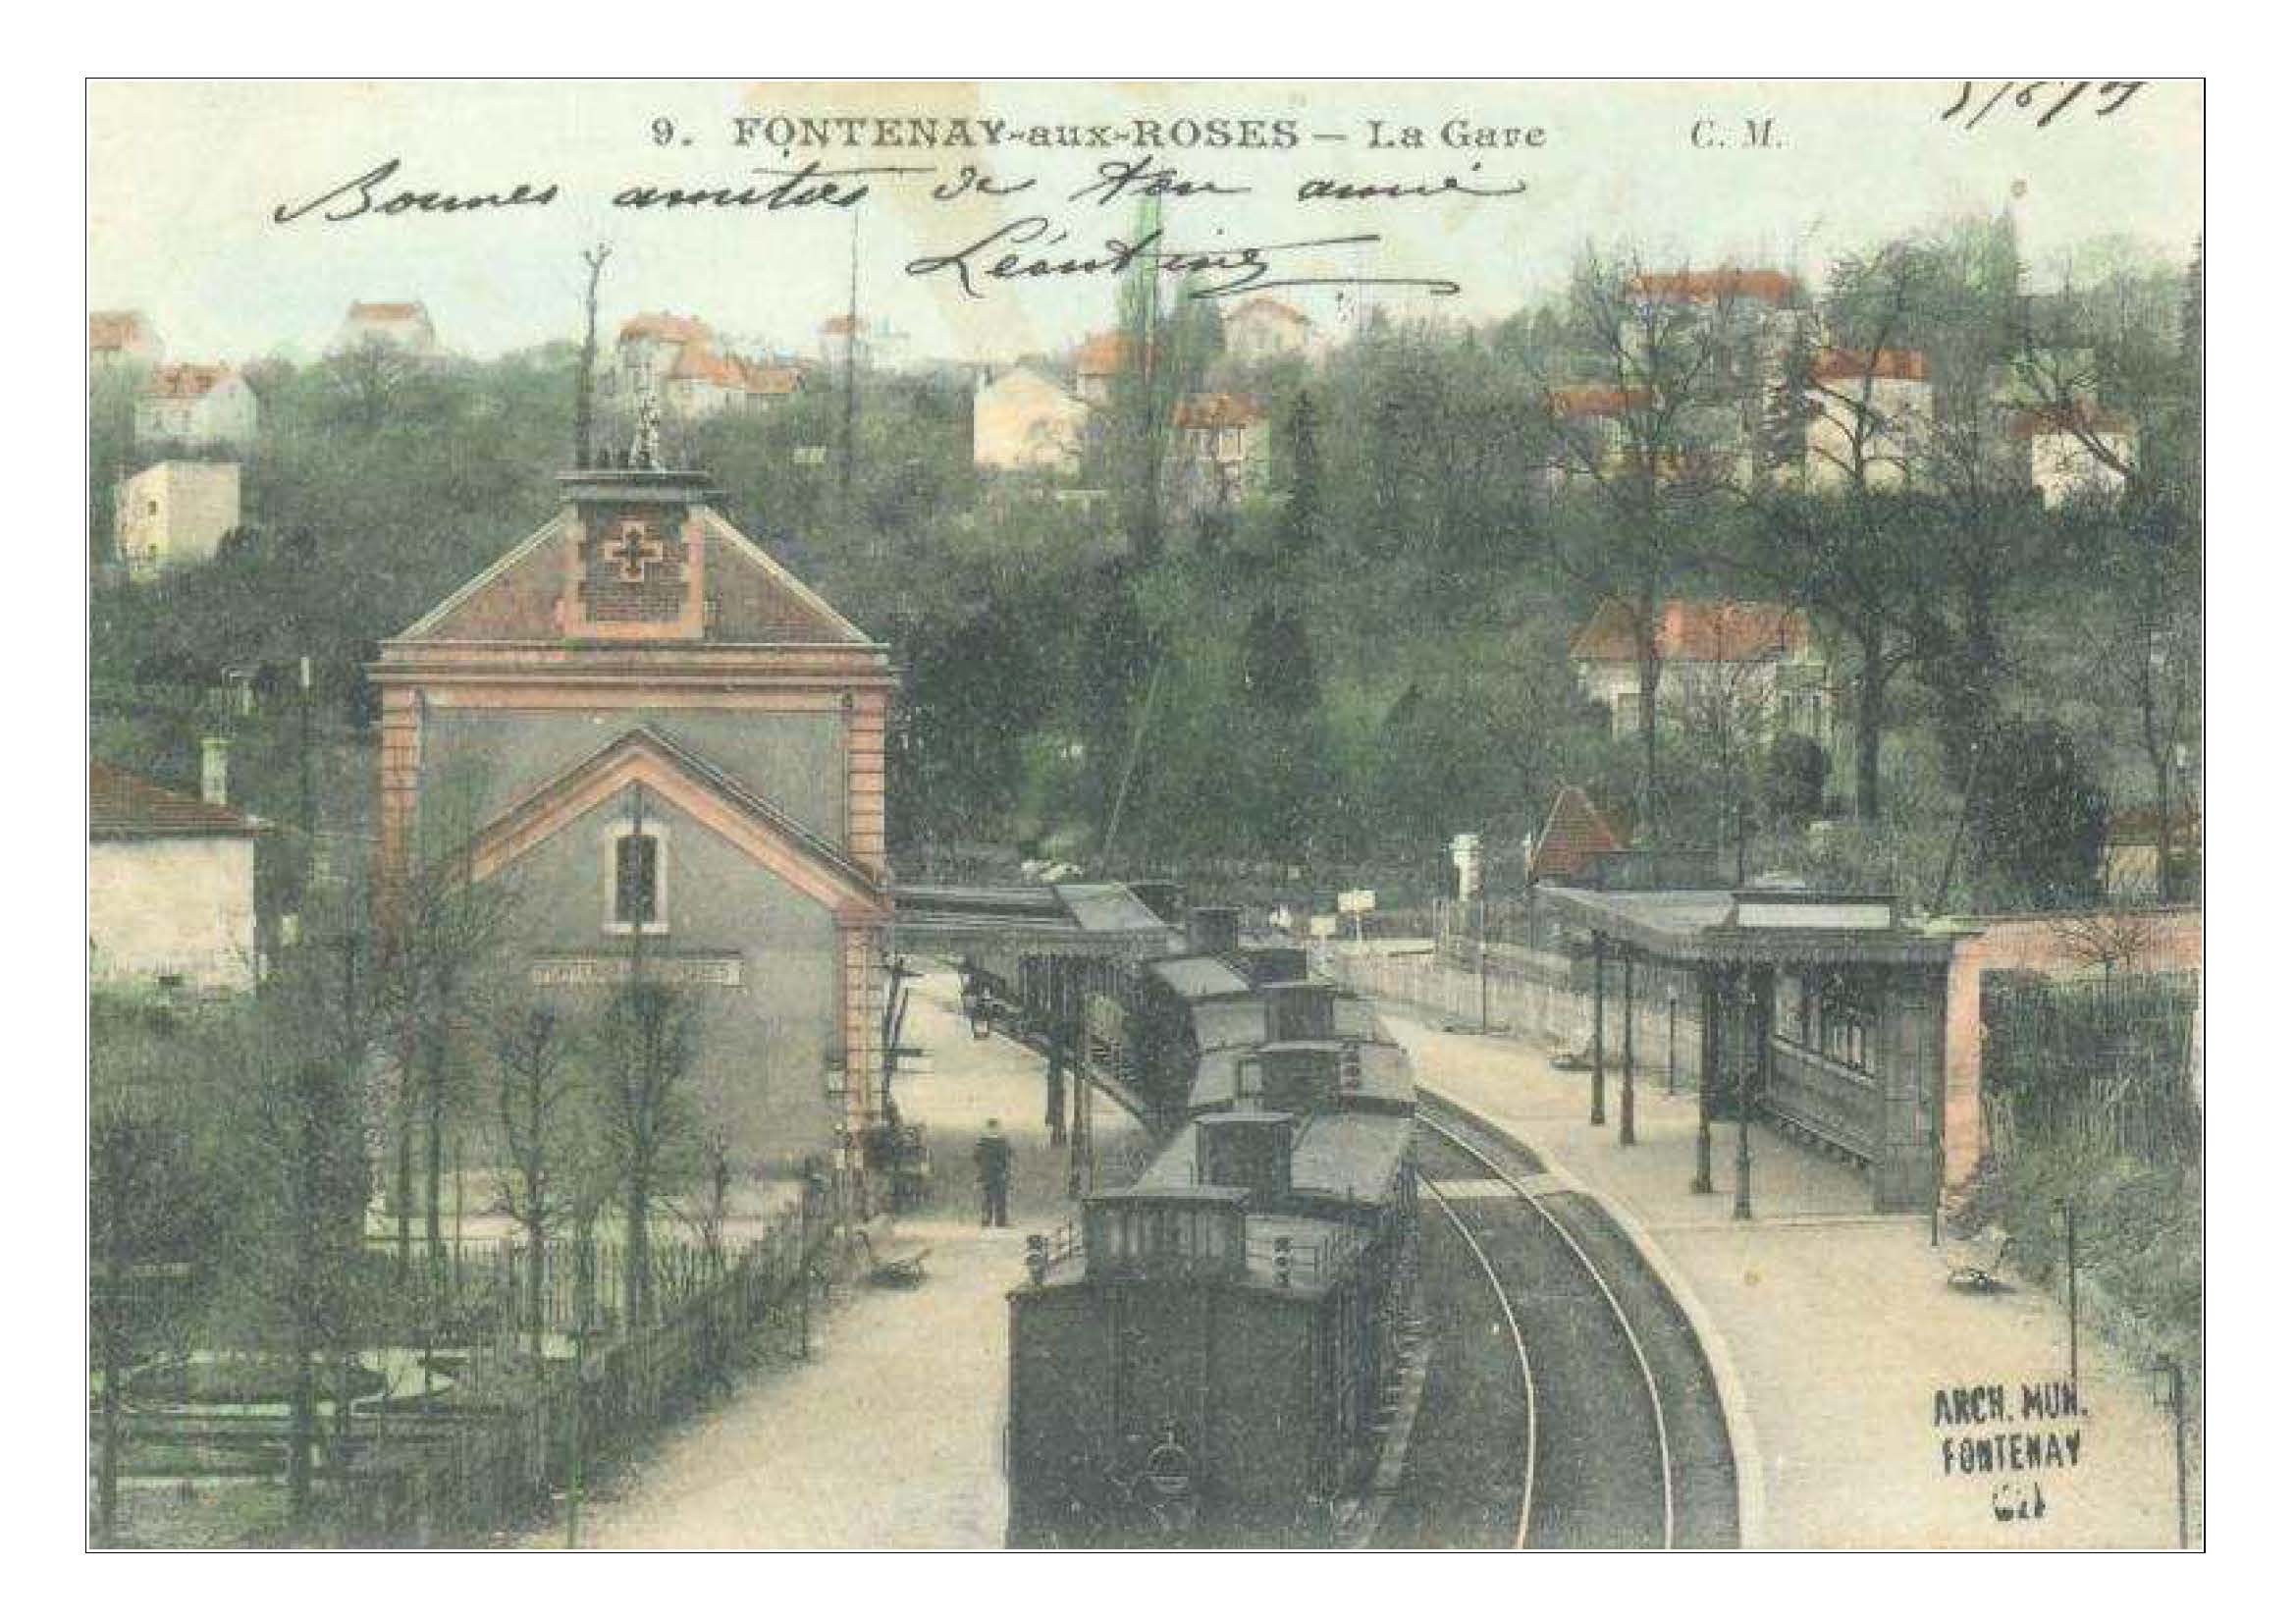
(654, 746)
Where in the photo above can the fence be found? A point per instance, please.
(508, 1462)
(2100, 1063)
(504, 1431)
(1545, 997)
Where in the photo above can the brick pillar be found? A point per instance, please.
(400, 779)
(865, 783)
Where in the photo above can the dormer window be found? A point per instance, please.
(637, 879)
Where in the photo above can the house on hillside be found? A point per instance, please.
(1869, 413)
(2072, 452)
(1025, 423)
(1590, 432)
(190, 403)
(1100, 361)
(1761, 657)
(122, 340)
(404, 327)
(666, 755)
(871, 343)
(171, 883)
(1219, 452)
(1562, 849)
(172, 514)
(679, 362)
(1261, 328)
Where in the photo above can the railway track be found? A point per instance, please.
(1623, 1441)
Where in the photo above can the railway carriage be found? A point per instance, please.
(1204, 1359)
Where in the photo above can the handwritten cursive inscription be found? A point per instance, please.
(367, 194)
(997, 257)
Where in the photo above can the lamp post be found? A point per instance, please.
(1594, 1113)
(2073, 1297)
(1626, 1056)
(1709, 1051)
(2168, 1392)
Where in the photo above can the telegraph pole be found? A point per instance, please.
(852, 346)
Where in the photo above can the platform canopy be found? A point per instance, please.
(1750, 926)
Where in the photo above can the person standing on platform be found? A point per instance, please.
(993, 1158)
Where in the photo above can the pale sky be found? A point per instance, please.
(183, 181)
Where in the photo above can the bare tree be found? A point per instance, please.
(651, 1041)
(586, 380)
(541, 1169)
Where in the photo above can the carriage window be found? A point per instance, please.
(637, 881)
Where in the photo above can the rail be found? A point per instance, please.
(1617, 1309)
(1521, 1358)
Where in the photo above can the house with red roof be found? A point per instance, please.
(1100, 361)
(171, 883)
(1761, 655)
(680, 361)
(118, 340)
(405, 327)
(1867, 417)
(2075, 452)
(1219, 452)
(1562, 849)
(193, 404)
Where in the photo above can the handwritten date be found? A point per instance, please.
(2043, 98)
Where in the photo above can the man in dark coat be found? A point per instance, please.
(993, 1158)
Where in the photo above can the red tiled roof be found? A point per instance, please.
(2139, 825)
(123, 806)
(1103, 355)
(186, 380)
(1698, 630)
(388, 312)
(666, 328)
(837, 326)
(1836, 365)
(2070, 419)
(116, 329)
(1217, 411)
(702, 362)
(771, 380)
(1575, 834)
(1700, 287)
(1596, 400)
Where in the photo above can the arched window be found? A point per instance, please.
(637, 877)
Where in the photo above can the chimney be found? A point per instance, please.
(1212, 930)
(215, 771)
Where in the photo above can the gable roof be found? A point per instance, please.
(185, 380)
(1575, 834)
(123, 806)
(664, 328)
(702, 792)
(1262, 304)
(1771, 287)
(388, 312)
(1596, 400)
(1218, 411)
(1834, 365)
(1697, 630)
(1103, 355)
(117, 329)
(757, 599)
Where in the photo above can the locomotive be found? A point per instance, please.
(1205, 1357)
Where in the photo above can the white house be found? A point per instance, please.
(1024, 421)
(170, 884)
(1759, 657)
(2072, 452)
(679, 362)
(189, 404)
(1219, 450)
(1869, 414)
(405, 327)
(1261, 328)
(174, 512)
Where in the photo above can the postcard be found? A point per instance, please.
(860, 816)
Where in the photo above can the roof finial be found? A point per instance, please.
(646, 445)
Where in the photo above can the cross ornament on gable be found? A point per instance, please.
(634, 551)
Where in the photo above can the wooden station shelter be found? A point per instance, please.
(1821, 1013)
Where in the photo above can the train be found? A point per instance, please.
(1207, 1356)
